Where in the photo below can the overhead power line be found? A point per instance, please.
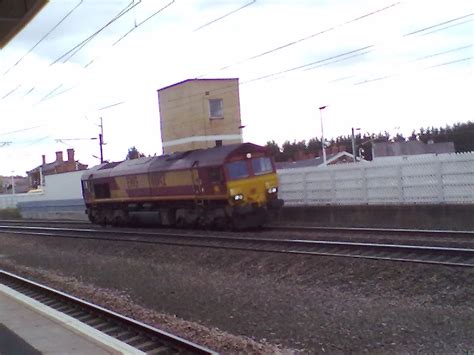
(74, 50)
(134, 28)
(110, 106)
(19, 130)
(451, 62)
(328, 60)
(44, 37)
(446, 27)
(438, 24)
(443, 52)
(11, 92)
(226, 15)
(145, 20)
(321, 32)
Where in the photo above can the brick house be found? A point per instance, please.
(59, 166)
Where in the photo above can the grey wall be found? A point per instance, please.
(72, 209)
(456, 217)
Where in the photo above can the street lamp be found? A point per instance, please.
(322, 133)
(354, 153)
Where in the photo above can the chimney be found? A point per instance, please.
(70, 155)
(59, 156)
(44, 159)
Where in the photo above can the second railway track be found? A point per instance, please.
(140, 336)
(377, 251)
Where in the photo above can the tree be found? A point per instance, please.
(274, 149)
(133, 153)
(461, 134)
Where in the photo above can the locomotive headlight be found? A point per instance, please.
(272, 190)
(238, 197)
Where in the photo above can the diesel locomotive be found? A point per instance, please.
(231, 186)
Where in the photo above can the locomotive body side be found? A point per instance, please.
(197, 188)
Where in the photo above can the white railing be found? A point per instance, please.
(446, 178)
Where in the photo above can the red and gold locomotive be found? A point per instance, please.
(232, 185)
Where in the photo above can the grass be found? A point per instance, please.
(10, 213)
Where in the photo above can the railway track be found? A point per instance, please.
(363, 230)
(138, 335)
(376, 251)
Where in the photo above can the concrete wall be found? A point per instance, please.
(61, 199)
(451, 217)
(56, 209)
(185, 117)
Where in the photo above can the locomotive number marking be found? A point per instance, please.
(158, 180)
(132, 182)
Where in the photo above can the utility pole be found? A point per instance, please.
(322, 134)
(101, 140)
(354, 153)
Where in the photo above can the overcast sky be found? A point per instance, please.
(377, 65)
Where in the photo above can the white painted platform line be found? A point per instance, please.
(74, 325)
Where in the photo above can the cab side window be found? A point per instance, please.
(101, 191)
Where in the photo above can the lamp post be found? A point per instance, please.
(354, 153)
(322, 133)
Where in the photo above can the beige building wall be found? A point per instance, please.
(198, 113)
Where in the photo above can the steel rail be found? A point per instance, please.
(359, 230)
(43, 221)
(156, 340)
(376, 251)
(290, 228)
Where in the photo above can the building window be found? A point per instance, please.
(216, 108)
(219, 143)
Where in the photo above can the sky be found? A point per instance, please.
(376, 65)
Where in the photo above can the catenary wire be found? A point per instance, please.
(44, 37)
(297, 41)
(11, 92)
(438, 24)
(73, 51)
(446, 27)
(128, 8)
(225, 15)
(243, 83)
(135, 27)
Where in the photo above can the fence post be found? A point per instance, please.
(439, 176)
(305, 188)
(333, 187)
(401, 197)
(365, 190)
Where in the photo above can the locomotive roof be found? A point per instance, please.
(177, 161)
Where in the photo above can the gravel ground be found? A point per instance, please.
(262, 303)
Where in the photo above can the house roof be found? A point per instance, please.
(51, 166)
(389, 149)
(313, 162)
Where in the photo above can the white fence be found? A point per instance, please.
(446, 178)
